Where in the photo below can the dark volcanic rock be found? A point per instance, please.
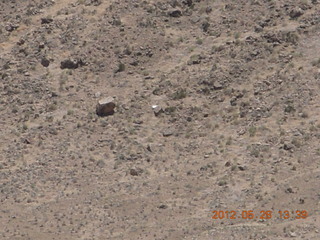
(71, 64)
(187, 2)
(46, 20)
(45, 62)
(175, 13)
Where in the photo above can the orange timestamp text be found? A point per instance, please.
(250, 214)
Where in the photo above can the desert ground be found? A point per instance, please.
(215, 129)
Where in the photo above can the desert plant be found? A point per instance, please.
(222, 182)
(252, 131)
(289, 109)
(316, 63)
(199, 41)
(179, 94)
(24, 127)
(229, 141)
(296, 142)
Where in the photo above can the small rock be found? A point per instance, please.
(242, 168)
(138, 121)
(289, 190)
(187, 2)
(241, 131)
(11, 27)
(195, 19)
(97, 94)
(42, 45)
(157, 110)
(293, 234)
(296, 12)
(125, 107)
(163, 206)
(27, 141)
(205, 26)
(45, 62)
(233, 101)
(149, 148)
(167, 132)
(258, 29)
(46, 20)
(217, 85)
(54, 94)
(175, 13)
(21, 42)
(135, 172)
(288, 146)
(105, 107)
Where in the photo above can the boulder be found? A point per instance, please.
(105, 107)
(71, 63)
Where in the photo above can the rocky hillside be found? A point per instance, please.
(216, 109)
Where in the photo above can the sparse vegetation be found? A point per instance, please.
(289, 109)
(179, 94)
(213, 105)
(229, 141)
(24, 127)
(316, 63)
(296, 142)
(121, 67)
(70, 112)
(222, 182)
(252, 131)
(199, 41)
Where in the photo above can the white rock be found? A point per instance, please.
(97, 94)
(157, 110)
